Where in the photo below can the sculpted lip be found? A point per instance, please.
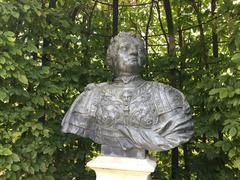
(132, 59)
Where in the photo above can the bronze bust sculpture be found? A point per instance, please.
(130, 115)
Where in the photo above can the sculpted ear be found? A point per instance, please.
(109, 57)
(142, 57)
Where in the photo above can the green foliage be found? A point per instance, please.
(36, 92)
(49, 54)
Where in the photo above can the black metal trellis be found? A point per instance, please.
(124, 5)
(115, 20)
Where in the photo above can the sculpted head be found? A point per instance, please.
(126, 54)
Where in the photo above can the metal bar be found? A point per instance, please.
(115, 18)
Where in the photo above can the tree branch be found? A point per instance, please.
(171, 33)
(161, 24)
(115, 18)
(214, 34)
(202, 37)
(148, 25)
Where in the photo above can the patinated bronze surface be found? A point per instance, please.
(130, 115)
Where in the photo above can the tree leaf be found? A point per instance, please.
(3, 73)
(15, 157)
(3, 95)
(43, 167)
(213, 91)
(218, 144)
(23, 79)
(49, 178)
(26, 7)
(236, 58)
(233, 131)
(32, 48)
(15, 136)
(15, 14)
(232, 153)
(223, 92)
(15, 167)
(236, 163)
(2, 60)
(9, 33)
(226, 146)
(5, 151)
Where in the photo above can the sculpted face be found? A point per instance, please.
(126, 54)
(127, 59)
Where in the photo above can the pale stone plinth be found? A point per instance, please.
(122, 168)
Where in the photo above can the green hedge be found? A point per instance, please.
(49, 53)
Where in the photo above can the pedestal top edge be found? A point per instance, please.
(123, 163)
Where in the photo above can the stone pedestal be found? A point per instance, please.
(122, 168)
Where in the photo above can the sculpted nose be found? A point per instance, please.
(133, 50)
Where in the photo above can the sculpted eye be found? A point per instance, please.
(123, 48)
(149, 122)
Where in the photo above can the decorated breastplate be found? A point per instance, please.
(127, 106)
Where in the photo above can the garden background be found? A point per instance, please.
(51, 49)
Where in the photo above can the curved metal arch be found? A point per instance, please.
(123, 5)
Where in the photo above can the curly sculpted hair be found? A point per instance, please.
(114, 46)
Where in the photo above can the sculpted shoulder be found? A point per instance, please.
(86, 102)
(95, 87)
(175, 97)
(167, 97)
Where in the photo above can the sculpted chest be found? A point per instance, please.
(146, 115)
(127, 106)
